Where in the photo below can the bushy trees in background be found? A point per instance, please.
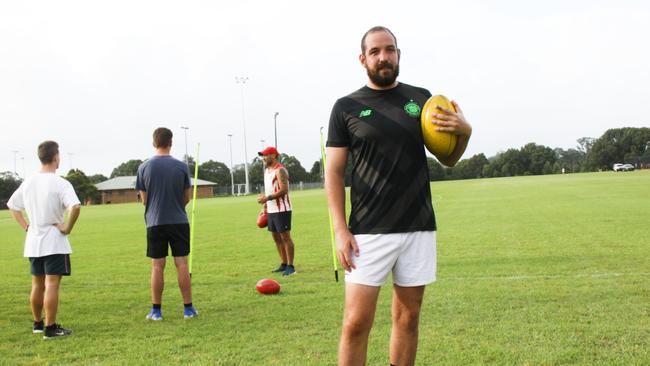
(83, 186)
(618, 145)
(126, 169)
(9, 182)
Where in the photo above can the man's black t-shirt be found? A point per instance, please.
(390, 181)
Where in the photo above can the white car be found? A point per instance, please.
(623, 167)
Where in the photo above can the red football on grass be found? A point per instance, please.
(267, 286)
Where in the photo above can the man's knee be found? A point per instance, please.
(181, 262)
(357, 324)
(406, 319)
(158, 264)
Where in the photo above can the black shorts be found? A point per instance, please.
(279, 222)
(55, 264)
(176, 236)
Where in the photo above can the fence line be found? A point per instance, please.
(259, 188)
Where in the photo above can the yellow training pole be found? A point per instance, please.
(196, 177)
(329, 213)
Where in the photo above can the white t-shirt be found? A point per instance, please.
(45, 197)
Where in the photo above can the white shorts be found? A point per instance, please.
(410, 256)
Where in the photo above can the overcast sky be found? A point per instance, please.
(99, 77)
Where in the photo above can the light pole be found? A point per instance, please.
(22, 159)
(232, 177)
(15, 152)
(242, 80)
(187, 158)
(263, 162)
(275, 128)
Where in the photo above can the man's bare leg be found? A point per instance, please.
(51, 298)
(358, 316)
(407, 302)
(37, 297)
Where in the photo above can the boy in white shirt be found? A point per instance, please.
(45, 197)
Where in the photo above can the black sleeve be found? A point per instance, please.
(338, 134)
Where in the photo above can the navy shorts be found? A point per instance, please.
(279, 222)
(55, 264)
(161, 237)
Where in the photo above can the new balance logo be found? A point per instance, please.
(365, 113)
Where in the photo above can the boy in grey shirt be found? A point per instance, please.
(164, 185)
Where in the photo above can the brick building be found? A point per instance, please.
(122, 189)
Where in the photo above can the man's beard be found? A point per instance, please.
(389, 79)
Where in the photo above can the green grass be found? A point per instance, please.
(545, 270)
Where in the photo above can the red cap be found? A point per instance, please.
(269, 150)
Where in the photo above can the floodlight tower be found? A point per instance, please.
(232, 176)
(242, 81)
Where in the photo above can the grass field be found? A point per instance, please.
(544, 270)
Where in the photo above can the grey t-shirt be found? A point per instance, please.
(165, 179)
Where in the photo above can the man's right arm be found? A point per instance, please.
(335, 186)
(143, 197)
(20, 219)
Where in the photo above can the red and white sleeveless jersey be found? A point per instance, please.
(272, 185)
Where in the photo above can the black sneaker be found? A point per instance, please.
(281, 268)
(38, 327)
(289, 271)
(55, 330)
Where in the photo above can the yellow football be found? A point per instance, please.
(440, 144)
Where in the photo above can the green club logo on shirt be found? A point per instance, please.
(365, 113)
(412, 109)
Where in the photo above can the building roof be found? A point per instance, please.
(129, 183)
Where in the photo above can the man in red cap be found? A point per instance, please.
(278, 207)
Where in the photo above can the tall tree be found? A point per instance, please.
(316, 172)
(9, 182)
(296, 171)
(585, 144)
(215, 171)
(127, 168)
(97, 178)
(436, 171)
(617, 144)
(86, 191)
(469, 168)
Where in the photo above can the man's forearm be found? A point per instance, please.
(72, 217)
(335, 187)
(279, 194)
(18, 216)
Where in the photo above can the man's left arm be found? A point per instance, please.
(455, 123)
(187, 195)
(73, 215)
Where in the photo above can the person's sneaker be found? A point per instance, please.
(55, 330)
(38, 327)
(290, 270)
(155, 314)
(281, 268)
(190, 312)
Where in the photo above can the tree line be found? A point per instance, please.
(618, 145)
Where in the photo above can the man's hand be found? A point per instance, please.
(346, 245)
(62, 228)
(452, 122)
(261, 199)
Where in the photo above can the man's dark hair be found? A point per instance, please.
(47, 150)
(162, 137)
(378, 28)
